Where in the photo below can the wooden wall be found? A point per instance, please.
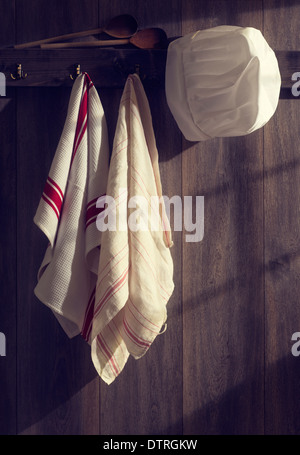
(224, 366)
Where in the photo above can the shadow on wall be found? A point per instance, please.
(226, 12)
(222, 415)
(57, 382)
(278, 265)
(53, 371)
(169, 139)
(53, 377)
(276, 415)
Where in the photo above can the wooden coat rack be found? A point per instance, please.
(107, 67)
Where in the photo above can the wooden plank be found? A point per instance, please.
(166, 15)
(41, 19)
(282, 227)
(223, 294)
(7, 22)
(107, 67)
(289, 63)
(147, 397)
(8, 263)
(58, 389)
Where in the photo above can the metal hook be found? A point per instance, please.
(19, 74)
(77, 72)
(137, 68)
(124, 70)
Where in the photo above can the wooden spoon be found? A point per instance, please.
(149, 38)
(123, 26)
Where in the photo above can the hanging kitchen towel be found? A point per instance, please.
(67, 210)
(135, 277)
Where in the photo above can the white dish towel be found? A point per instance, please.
(116, 295)
(67, 210)
(135, 276)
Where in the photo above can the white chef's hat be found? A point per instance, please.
(220, 82)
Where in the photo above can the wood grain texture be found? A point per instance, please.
(166, 15)
(7, 22)
(282, 238)
(8, 211)
(107, 67)
(58, 389)
(42, 19)
(223, 293)
(147, 397)
(224, 365)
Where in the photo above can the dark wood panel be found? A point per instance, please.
(43, 19)
(166, 15)
(223, 306)
(108, 67)
(205, 375)
(282, 246)
(147, 397)
(282, 176)
(7, 22)
(169, 356)
(58, 389)
(8, 277)
(8, 208)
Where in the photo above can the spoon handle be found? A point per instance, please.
(58, 38)
(96, 43)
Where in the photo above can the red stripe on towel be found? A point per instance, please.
(52, 194)
(93, 201)
(111, 291)
(148, 320)
(92, 212)
(51, 205)
(104, 348)
(134, 337)
(56, 186)
(150, 330)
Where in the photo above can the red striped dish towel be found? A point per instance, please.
(67, 210)
(135, 276)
